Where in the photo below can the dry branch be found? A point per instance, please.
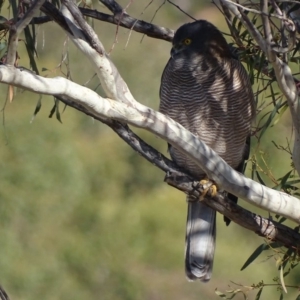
(124, 20)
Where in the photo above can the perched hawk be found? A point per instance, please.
(207, 90)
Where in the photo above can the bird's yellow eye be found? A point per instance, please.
(187, 41)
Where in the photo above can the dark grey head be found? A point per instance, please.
(199, 37)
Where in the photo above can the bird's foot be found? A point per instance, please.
(209, 188)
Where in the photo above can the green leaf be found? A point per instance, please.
(37, 108)
(30, 47)
(57, 111)
(293, 181)
(283, 181)
(257, 297)
(52, 111)
(286, 177)
(261, 62)
(294, 265)
(257, 252)
(14, 6)
(281, 220)
(281, 296)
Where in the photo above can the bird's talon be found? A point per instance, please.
(213, 190)
(209, 188)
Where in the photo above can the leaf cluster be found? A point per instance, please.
(272, 112)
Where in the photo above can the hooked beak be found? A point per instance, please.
(175, 50)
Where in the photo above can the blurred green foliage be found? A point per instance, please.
(82, 216)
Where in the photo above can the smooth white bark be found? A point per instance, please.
(120, 105)
(155, 122)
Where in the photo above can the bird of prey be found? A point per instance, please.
(207, 90)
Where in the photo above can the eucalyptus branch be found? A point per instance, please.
(54, 14)
(16, 29)
(126, 21)
(267, 228)
(87, 41)
(40, 20)
(113, 6)
(121, 108)
(85, 28)
(181, 180)
(144, 117)
(267, 28)
(229, 21)
(123, 19)
(126, 109)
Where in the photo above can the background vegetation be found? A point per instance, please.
(84, 217)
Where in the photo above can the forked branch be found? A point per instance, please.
(121, 108)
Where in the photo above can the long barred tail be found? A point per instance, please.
(200, 241)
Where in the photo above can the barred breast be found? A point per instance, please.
(214, 101)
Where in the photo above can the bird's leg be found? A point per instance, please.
(209, 188)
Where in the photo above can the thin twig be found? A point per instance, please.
(258, 12)
(126, 21)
